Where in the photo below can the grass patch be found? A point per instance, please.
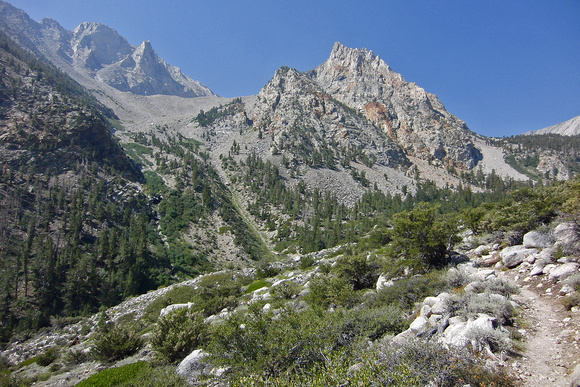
(140, 374)
(257, 284)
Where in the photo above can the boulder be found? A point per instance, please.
(567, 237)
(419, 325)
(462, 334)
(171, 308)
(567, 289)
(538, 268)
(383, 282)
(564, 271)
(538, 239)
(514, 255)
(481, 250)
(575, 378)
(425, 311)
(549, 267)
(193, 366)
(490, 260)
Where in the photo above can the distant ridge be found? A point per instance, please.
(97, 52)
(566, 128)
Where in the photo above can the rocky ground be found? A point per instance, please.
(551, 333)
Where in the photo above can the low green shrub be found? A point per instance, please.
(285, 290)
(213, 293)
(306, 261)
(114, 343)
(74, 356)
(571, 300)
(358, 270)
(267, 270)
(327, 290)
(456, 279)
(177, 295)
(177, 334)
(573, 281)
(496, 286)
(293, 341)
(404, 293)
(48, 357)
(469, 305)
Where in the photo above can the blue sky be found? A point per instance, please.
(504, 67)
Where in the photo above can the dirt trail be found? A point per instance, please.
(551, 335)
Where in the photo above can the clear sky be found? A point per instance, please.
(503, 66)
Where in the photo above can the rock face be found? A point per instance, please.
(291, 106)
(414, 118)
(98, 52)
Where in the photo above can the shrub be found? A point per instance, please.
(306, 261)
(177, 334)
(115, 343)
(571, 300)
(177, 295)
(259, 343)
(267, 270)
(496, 286)
(471, 304)
(573, 281)
(429, 363)
(456, 279)
(325, 291)
(361, 272)
(47, 357)
(404, 293)
(423, 236)
(285, 290)
(74, 357)
(496, 339)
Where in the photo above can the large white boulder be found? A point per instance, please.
(193, 366)
(514, 255)
(567, 237)
(538, 239)
(564, 271)
(471, 332)
(171, 308)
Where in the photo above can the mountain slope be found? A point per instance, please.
(566, 128)
(414, 118)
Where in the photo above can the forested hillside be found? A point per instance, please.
(78, 231)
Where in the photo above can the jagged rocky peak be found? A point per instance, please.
(359, 70)
(301, 117)
(112, 60)
(94, 51)
(96, 45)
(414, 118)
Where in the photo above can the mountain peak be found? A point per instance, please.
(416, 119)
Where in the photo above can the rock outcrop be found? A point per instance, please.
(414, 118)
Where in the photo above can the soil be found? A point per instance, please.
(550, 333)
